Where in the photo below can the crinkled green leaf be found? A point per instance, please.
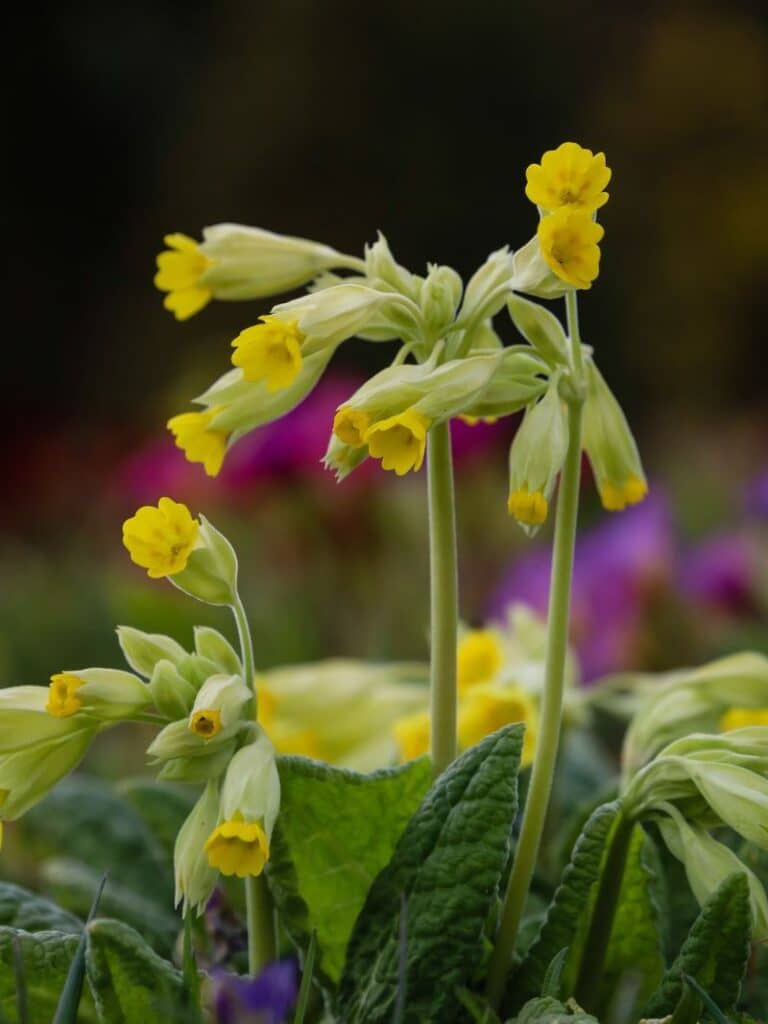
(45, 957)
(715, 952)
(20, 908)
(545, 1010)
(162, 806)
(446, 869)
(130, 983)
(336, 831)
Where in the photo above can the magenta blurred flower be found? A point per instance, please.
(618, 565)
(471, 441)
(718, 573)
(265, 999)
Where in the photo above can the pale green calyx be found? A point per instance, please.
(210, 574)
(142, 650)
(194, 876)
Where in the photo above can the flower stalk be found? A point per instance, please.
(558, 619)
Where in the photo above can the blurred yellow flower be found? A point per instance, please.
(238, 847)
(472, 421)
(399, 441)
(350, 426)
(270, 351)
(198, 442)
(206, 723)
(741, 718)
(62, 695)
(487, 708)
(412, 735)
(568, 240)
(180, 268)
(529, 507)
(160, 539)
(615, 498)
(568, 176)
(479, 658)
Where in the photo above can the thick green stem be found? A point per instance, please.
(258, 900)
(444, 598)
(548, 738)
(603, 913)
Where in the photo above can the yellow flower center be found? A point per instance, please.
(412, 735)
(350, 426)
(529, 507)
(479, 658)
(199, 443)
(270, 351)
(180, 269)
(62, 695)
(160, 539)
(400, 441)
(568, 240)
(238, 847)
(616, 497)
(206, 723)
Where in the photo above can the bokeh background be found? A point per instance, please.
(332, 120)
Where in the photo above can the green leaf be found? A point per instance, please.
(20, 908)
(162, 806)
(545, 1010)
(715, 952)
(567, 918)
(336, 831)
(130, 983)
(448, 865)
(45, 957)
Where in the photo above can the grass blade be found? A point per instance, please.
(713, 1009)
(69, 1000)
(306, 980)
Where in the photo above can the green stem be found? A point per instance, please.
(603, 913)
(258, 900)
(443, 597)
(548, 738)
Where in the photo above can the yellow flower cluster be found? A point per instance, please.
(399, 441)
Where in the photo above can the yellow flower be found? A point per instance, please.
(350, 426)
(206, 723)
(615, 498)
(530, 507)
(488, 708)
(568, 176)
(741, 718)
(160, 539)
(399, 441)
(479, 658)
(412, 735)
(180, 268)
(197, 441)
(568, 240)
(472, 421)
(238, 847)
(62, 695)
(270, 351)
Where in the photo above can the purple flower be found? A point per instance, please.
(718, 573)
(265, 999)
(617, 565)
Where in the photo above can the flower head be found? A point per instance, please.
(63, 700)
(569, 176)
(399, 441)
(270, 351)
(180, 268)
(479, 658)
(238, 847)
(351, 425)
(568, 240)
(198, 442)
(160, 539)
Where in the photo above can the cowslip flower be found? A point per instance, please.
(200, 442)
(105, 693)
(351, 426)
(412, 735)
(569, 243)
(488, 707)
(528, 507)
(194, 876)
(270, 351)
(160, 539)
(569, 176)
(536, 457)
(399, 441)
(63, 700)
(479, 658)
(180, 270)
(218, 705)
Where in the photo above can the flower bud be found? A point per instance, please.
(25, 720)
(28, 774)
(218, 706)
(195, 878)
(488, 288)
(610, 446)
(541, 329)
(142, 651)
(201, 768)
(439, 298)
(329, 316)
(516, 383)
(536, 457)
(210, 573)
(210, 644)
(532, 274)
(342, 458)
(172, 695)
(383, 271)
(105, 693)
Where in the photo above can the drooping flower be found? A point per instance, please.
(569, 244)
(180, 268)
(238, 847)
(399, 441)
(528, 507)
(569, 176)
(270, 351)
(194, 436)
(351, 426)
(160, 538)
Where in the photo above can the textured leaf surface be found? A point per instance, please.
(162, 807)
(336, 831)
(715, 952)
(545, 1010)
(20, 908)
(446, 870)
(130, 983)
(46, 957)
(567, 918)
